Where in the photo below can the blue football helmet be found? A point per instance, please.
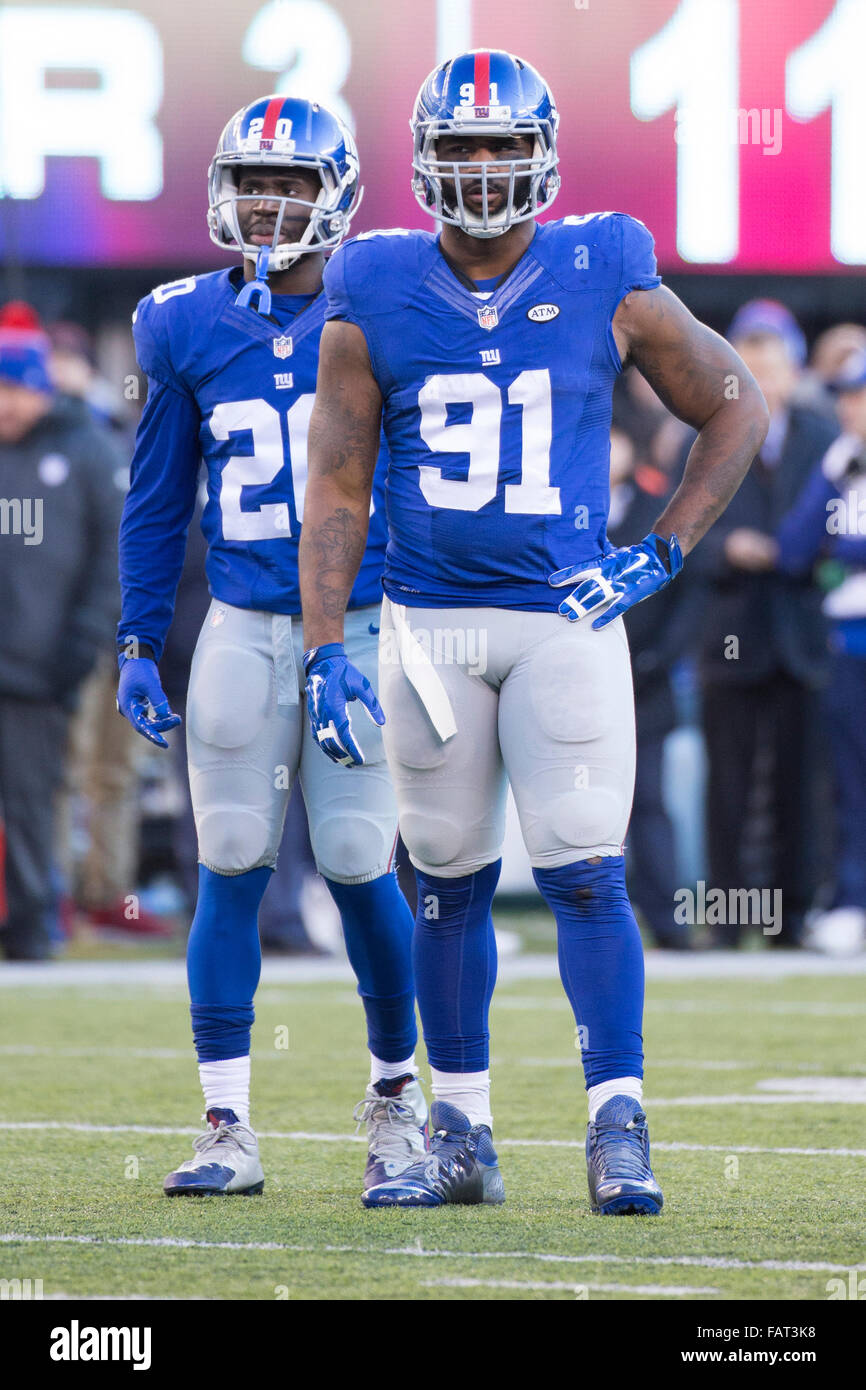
(485, 92)
(290, 131)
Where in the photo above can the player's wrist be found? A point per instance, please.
(320, 653)
(668, 551)
(140, 651)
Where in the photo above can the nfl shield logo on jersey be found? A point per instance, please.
(488, 317)
(283, 346)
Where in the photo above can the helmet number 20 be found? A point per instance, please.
(282, 130)
(479, 437)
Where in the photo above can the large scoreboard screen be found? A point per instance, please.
(733, 128)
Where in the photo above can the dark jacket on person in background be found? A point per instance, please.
(59, 595)
(775, 618)
(664, 629)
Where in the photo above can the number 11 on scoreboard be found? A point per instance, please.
(692, 65)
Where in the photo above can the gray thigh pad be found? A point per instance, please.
(243, 747)
(352, 811)
(451, 793)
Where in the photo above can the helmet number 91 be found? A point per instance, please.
(467, 94)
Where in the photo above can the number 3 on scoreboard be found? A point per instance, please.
(479, 438)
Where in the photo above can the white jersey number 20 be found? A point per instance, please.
(270, 520)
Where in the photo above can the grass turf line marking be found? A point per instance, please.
(657, 1063)
(813, 1007)
(171, 1054)
(178, 1054)
(418, 1251)
(652, 1290)
(311, 1137)
(838, 1096)
(160, 973)
(126, 1298)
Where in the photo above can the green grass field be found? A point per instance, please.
(100, 1100)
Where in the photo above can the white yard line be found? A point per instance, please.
(316, 1137)
(312, 1136)
(417, 1251)
(125, 1298)
(660, 965)
(674, 1147)
(554, 1285)
(816, 1008)
(656, 1063)
(185, 1054)
(157, 1054)
(186, 1131)
(828, 1097)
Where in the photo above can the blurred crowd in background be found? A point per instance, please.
(749, 672)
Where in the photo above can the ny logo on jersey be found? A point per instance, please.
(284, 381)
(488, 317)
(283, 346)
(490, 357)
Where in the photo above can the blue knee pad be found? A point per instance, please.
(224, 961)
(600, 962)
(455, 966)
(377, 928)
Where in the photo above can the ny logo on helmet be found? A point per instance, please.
(283, 346)
(488, 317)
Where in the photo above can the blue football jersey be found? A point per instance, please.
(497, 407)
(228, 387)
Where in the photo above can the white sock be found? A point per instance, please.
(226, 1086)
(468, 1090)
(620, 1086)
(387, 1071)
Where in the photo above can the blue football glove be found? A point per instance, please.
(624, 578)
(141, 699)
(332, 683)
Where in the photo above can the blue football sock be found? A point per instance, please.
(600, 962)
(455, 967)
(377, 928)
(224, 961)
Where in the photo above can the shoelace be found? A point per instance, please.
(387, 1118)
(447, 1146)
(629, 1160)
(223, 1131)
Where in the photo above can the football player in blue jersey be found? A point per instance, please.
(492, 348)
(231, 362)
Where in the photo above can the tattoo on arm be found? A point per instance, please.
(343, 445)
(339, 547)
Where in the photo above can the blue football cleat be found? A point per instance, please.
(395, 1113)
(621, 1182)
(226, 1161)
(461, 1167)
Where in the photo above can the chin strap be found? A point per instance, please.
(258, 287)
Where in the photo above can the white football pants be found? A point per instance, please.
(248, 737)
(475, 696)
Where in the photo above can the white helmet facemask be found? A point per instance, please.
(529, 184)
(324, 231)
